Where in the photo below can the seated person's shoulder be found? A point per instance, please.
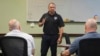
(27, 35)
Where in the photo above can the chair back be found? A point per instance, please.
(89, 47)
(13, 46)
(67, 38)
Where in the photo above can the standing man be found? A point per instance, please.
(53, 29)
(15, 30)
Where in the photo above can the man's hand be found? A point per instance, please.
(59, 41)
(65, 53)
(41, 23)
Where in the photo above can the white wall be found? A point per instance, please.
(77, 10)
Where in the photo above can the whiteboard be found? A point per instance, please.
(76, 10)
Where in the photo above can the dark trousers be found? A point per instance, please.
(49, 41)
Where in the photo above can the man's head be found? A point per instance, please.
(95, 17)
(14, 24)
(51, 8)
(90, 25)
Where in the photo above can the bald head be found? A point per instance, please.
(90, 25)
(14, 24)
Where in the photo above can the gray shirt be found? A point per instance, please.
(75, 45)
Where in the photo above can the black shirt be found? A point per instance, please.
(52, 23)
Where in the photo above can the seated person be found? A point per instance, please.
(15, 30)
(90, 32)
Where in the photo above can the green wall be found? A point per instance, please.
(10, 9)
(17, 9)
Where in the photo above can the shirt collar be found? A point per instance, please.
(91, 32)
(16, 30)
(52, 15)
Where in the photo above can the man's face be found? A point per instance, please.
(95, 17)
(51, 8)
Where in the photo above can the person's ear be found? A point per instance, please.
(19, 27)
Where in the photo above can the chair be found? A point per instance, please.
(13, 46)
(89, 47)
(67, 38)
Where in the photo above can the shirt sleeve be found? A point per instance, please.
(32, 42)
(61, 23)
(74, 46)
